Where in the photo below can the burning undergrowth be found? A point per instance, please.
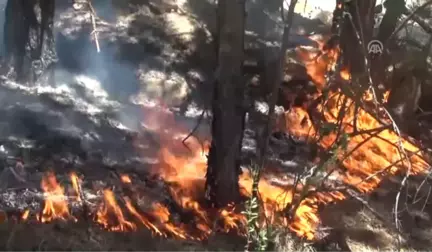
(126, 207)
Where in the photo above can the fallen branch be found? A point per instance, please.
(420, 21)
(408, 18)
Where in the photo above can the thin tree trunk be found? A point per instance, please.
(46, 28)
(362, 13)
(228, 111)
(394, 10)
(274, 74)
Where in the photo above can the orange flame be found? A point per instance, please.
(75, 185)
(111, 216)
(368, 162)
(125, 179)
(163, 215)
(187, 172)
(345, 74)
(55, 205)
(141, 218)
(25, 215)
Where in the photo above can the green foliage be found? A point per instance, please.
(258, 238)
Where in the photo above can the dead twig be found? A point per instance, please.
(191, 133)
(427, 198)
(371, 131)
(212, 81)
(93, 20)
(421, 185)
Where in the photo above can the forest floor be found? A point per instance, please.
(83, 236)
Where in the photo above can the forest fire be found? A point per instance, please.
(183, 169)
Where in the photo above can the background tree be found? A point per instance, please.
(24, 35)
(361, 20)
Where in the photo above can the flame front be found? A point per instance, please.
(367, 159)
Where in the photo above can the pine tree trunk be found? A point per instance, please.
(16, 33)
(228, 111)
(21, 30)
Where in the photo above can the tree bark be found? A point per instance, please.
(228, 110)
(16, 33)
(394, 10)
(362, 13)
(21, 28)
(46, 28)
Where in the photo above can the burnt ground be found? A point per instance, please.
(77, 123)
(83, 236)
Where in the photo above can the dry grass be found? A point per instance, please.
(362, 230)
(286, 241)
